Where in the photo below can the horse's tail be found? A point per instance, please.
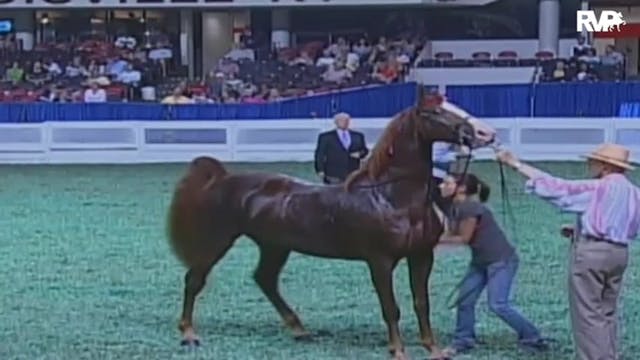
(189, 213)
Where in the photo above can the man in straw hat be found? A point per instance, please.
(608, 209)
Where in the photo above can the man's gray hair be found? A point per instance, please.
(342, 115)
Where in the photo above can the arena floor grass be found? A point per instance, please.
(86, 273)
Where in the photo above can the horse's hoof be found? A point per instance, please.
(303, 337)
(400, 356)
(190, 342)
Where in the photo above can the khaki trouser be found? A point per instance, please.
(595, 278)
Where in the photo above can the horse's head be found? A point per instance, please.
(440, 120)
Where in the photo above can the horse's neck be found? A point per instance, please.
(408, 172)
(405, 188)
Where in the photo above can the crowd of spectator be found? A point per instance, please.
(123, 70)
(89, 71)
(309, 69)
(585, 65)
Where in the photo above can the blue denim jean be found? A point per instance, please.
(497, 278)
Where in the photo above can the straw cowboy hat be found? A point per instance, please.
(613, 154)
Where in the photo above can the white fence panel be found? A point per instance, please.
(277, 140)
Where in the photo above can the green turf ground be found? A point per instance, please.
(86, 273)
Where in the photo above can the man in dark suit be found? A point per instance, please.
(339, 151)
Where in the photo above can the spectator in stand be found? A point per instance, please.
(15, 74)
(326, 59)
(227, 66)
(590, 57)
(94, 94)
(232, 83)
(214, 83)
(116, 65)
(52, 94)
(559, 74)
(387, 72)
(240, 52)
(75, 69)
(379, 51)
(96, 69)
(336, 73)
(583, 73)
(248, 90)
(273, 94)
(53, 68)
(303, 59)
(612, 57)
(338, 48)
(38, 75)
(581, 48)
(177, 97)
(352, 61)
(362, 48)
(129, 76)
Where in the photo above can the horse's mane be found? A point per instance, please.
(382, 152)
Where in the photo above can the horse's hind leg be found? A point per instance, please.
(194, 282)
(266, 275)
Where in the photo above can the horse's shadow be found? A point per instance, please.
(363, 335)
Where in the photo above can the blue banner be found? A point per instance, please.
(520, 100)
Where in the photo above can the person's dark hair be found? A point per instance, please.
(474, 186)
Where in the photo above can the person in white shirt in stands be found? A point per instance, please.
(130, 76)
(94, 94)
(240, 52)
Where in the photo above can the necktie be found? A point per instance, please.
(344, 136)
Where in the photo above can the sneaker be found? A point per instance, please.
(536, 345)
(458, 347)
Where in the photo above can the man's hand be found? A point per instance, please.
(506, 157)
(355, 155)
(321, 174)
(567, 231)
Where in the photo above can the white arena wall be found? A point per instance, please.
(131, 142)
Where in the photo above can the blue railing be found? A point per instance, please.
(526, 100)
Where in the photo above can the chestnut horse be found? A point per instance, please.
(379, 217)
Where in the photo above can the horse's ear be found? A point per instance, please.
(431, 102)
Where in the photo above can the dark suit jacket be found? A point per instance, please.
(332, 159)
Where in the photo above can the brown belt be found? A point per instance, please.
(599, 239)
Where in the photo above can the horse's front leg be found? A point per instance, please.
(420, 267)
(382, 277)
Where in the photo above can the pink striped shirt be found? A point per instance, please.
(608, 207)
